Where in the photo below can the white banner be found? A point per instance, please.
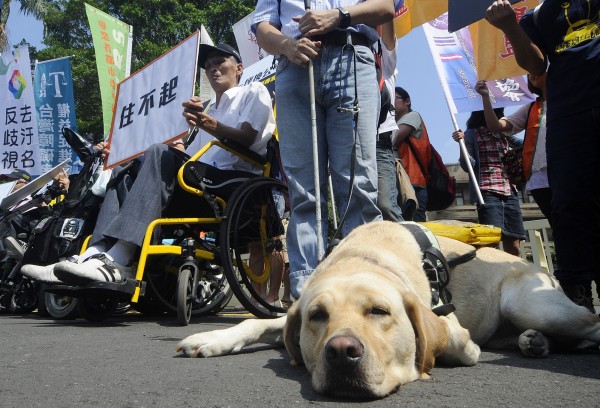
(262, 71)
(18, 127)
(455, 64)
(148, 108)
(206, 92)
(248, 47)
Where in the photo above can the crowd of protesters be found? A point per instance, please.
(359, 149)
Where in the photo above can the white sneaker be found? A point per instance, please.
(97, 268)
(40, 273)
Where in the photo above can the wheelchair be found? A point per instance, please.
(193, 265)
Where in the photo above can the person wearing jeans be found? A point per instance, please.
(337, 37)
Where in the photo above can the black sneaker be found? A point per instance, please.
(580, 294)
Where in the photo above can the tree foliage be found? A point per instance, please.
(157, 26)
(37, 8)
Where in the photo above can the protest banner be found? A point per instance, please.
(417, 12)
(455, 64)
(262, 71)
(494, 55)
(205, 92)
(148, 108)
(55, 107)
(112, 45)
(17, 106)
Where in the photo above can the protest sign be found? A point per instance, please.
(55, 106)
(148, 108)
(18, 126)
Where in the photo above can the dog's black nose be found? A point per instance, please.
(343, 350)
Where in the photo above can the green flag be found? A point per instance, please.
(112, 44)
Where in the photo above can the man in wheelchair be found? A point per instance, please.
(242, 114)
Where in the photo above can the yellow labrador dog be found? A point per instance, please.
(363, 325)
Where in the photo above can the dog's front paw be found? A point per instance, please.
(209, 344)
(534, 344)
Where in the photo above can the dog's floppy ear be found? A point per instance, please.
(291, 333)
(431, 332)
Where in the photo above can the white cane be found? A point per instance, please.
(315, 145)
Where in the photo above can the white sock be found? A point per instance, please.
(122, 252)
(91, 251)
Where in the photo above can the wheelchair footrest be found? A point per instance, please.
(120, 290)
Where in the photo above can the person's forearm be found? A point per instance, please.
(244, 136)
(527, 54)
(491, 120)
(372, 12)
(271, 39)
(388, 37)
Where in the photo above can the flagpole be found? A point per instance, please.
(452, 110)
(465, 155)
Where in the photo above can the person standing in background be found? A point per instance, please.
(532, 119)
(413, 146)
(387, 186)
(501, 206)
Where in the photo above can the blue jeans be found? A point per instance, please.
(335, 144)
(421, 212)
(387, 185)
(573, 151)
(503, 212)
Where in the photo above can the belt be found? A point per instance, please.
(384, 140)
(339, 37)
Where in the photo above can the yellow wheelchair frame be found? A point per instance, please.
(239, 228)
(185, 295)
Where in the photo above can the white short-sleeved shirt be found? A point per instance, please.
(390, 73)
(249, 103)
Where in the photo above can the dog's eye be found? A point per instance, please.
(379, 311)
(318, 315)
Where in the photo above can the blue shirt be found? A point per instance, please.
(280, 13)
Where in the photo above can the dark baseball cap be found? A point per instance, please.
(223, 48)
(16, 174)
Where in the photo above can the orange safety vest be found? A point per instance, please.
(422, 147)
(531, 134)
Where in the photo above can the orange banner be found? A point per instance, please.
(494, 57)
(416, 12)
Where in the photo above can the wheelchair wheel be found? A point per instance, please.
(60, 307)
(252, 242)
(96, 309)
(24, 298)
(162, 286)
(185, 296)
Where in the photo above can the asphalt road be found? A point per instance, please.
(130, 361)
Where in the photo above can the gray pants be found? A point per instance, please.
(133, 203)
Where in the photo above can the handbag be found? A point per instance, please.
(513, 165)
(407, 199)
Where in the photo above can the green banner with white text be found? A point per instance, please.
(112, 44)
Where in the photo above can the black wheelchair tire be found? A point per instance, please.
(233, 245)
(185, 286)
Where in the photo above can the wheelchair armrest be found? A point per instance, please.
(244, 151)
